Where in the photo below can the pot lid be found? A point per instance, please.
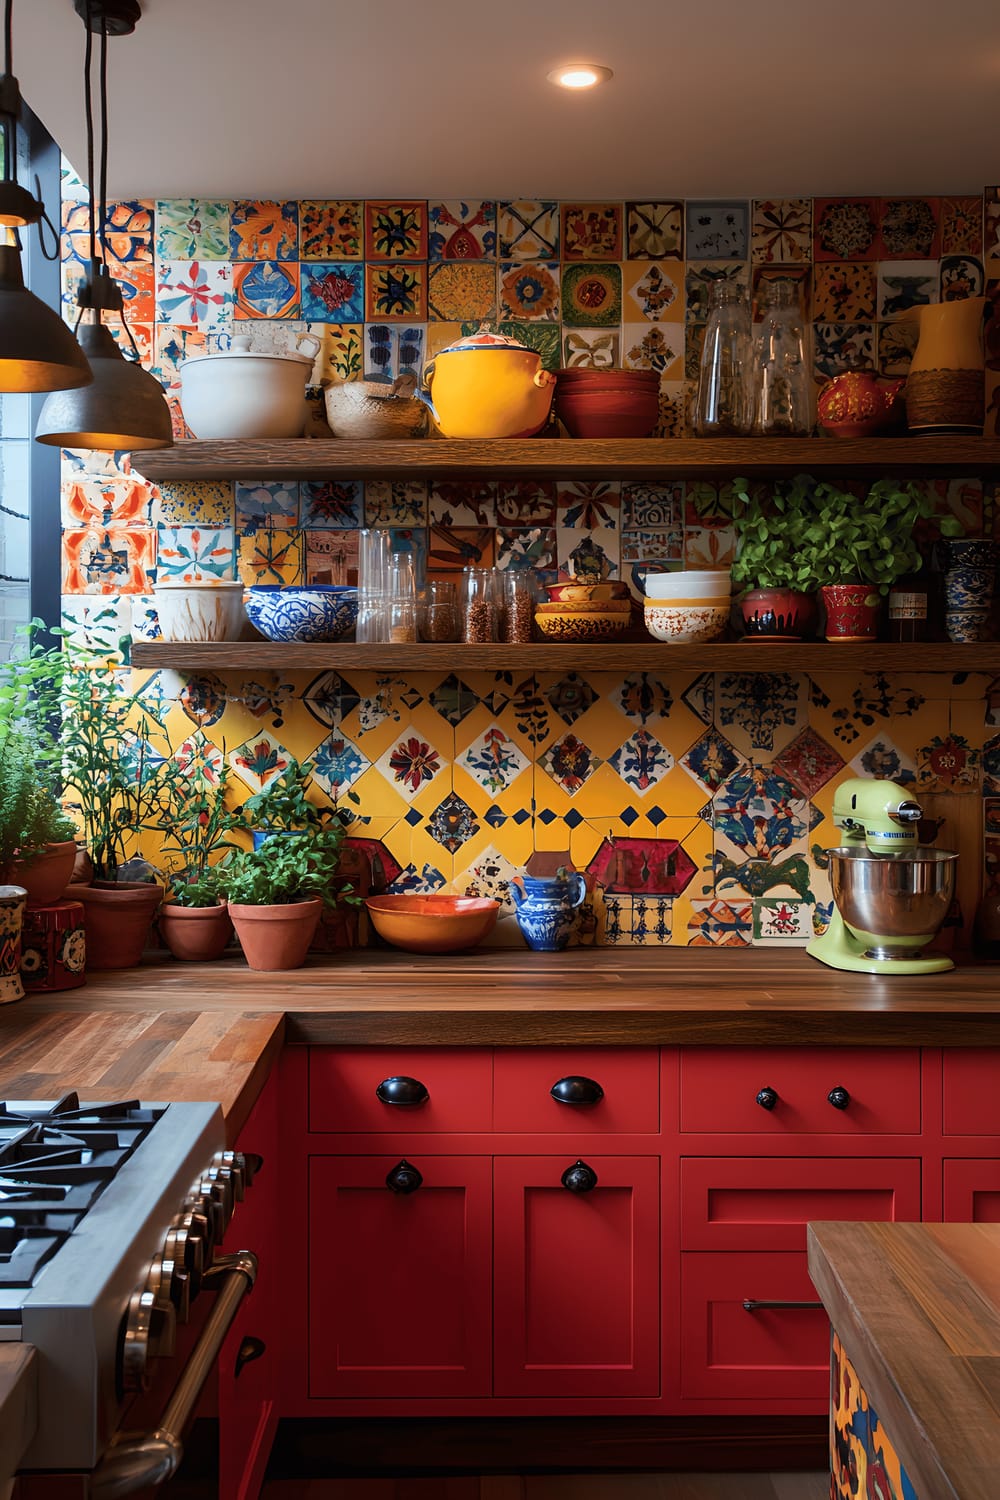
(240, 349)
(484, 339)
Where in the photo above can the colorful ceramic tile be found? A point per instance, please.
(653, 346)
(395, 293)
(588, 555)
(411, 763)
(591, 295)
(654, 292)
(709, 546)
(881, 759)
(896, 343)
(490, 875)
(331, 557)
(470, 502)
(340, 353)
(570, 763)
(271, 557)
(333, 292)
(412, 880)
(654, 231)
(591, 231)
(262, 230)
(453, 699)
(96, 623)
(904, 284)
(588, 503)
(452, 548)
(331, 503)
(809, 761)
(948, 764)
(658, 506)
(462, 230)
(136, 283)
(909, 229)
(529, 290)
(781, 231)
(266, 289)
(337, 763)
(698, 281)
(192, 229)
(961, 226)
(720, 924)
(141, 339)
(842, 346)
(711, 760)
(272, 503)
(642, 761)
(396, 231)
(528, 229)
(526, 502)
(494, 761)
(172, 346)
(112, 560)
(194, 552)
(843, 292)
(459, 290)
(760, 815)
(259, 761)
(128, 237)
(202, 697)
(525, 547)
(961, 276)
(196, 293)
(329, 698)
(591, 348)
(717, 230)
(194, 502)
(570, 696)
(644, 699)
(777, 921)
(760, 712)
(657, 548)
(636, 921)
(395, 502)
(452, 823)
(331, 229)
(845, 228)
(676, 397)
(90, 500)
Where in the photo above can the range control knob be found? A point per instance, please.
(233, 1163)
(222, 1178)
(150, 1324)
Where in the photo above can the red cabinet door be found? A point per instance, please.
(628, 1079)
(576, 1278)
(972, 1192)
(971, 1092)
(399, 1284)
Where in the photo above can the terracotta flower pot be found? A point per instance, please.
(851, 611)
(276, 937)
(117, 916)
(198, 933)
(46, 874)
(777, 614)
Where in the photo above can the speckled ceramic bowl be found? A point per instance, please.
(685, 624)
(587, 625)
(313, 613)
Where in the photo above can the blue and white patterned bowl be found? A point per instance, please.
(313, 613)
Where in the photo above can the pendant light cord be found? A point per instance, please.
(88, 104)
(103, 221)
(9, 121)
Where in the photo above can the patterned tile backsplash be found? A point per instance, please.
(698, 806)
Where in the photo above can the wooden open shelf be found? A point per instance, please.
(644, 656)
(583, 457)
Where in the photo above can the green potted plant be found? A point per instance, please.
(772, 565)
(194, 920)
(37, 839)
(277, 891)
(285, 807)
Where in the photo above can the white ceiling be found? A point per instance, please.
(448, 98)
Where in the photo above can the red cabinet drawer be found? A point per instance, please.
(719, 1090)
(744, 1203)
(972, 1092)
(523, 1079)
(972, 1192)
(769, 1354)
(342, 1085)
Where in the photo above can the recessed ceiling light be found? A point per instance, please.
(579, 75)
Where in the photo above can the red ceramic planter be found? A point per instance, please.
(777, 614)
(851, 611)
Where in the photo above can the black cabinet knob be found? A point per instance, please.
(576, 1090)
(408, 1092)
(579, 1178)
(251, 1348)
(403, 1179)
(767, 1098)
(838, 1097)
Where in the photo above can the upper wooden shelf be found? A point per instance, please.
(643, 656)
(584, 457)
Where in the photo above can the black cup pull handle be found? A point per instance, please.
(751, 1304)
(251, 1348)
(403, 1179)
(838, 1097)
(767, 1098)
(579, 1178)
(407, 1092)
(576, 1090)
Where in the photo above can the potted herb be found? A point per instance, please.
(277, 892)
(37, 839)
(771, 562)
(284, 807)
(194, 921)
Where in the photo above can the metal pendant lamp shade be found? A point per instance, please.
(37, 350)
(123, 408)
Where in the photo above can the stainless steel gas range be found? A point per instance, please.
(110, 1219)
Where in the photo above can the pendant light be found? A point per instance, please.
(125, 407)
(37, 351)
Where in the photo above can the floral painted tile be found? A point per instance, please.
(570, 763)
(128, 237)
(395, 293)
(337, 763)
(526, 502)
(452, 823)
(760, 712)
(904, 284)
(570, 697)
(331, 229)
(654, 231)
(529, 290)
(591, 295)
(525, 547)
(172, 346)
(333, 292)
(263, 230)
(896, 343)
(194, 502)
(643, 698)
(196, 293)
(272, 503)
(777, 921)
(591, 348)
(92, 500)
(843, 292)
(642, 761)
(452, 548)
(112, 560)
(588, 555)
(411, 763)
(395, 231)
(266, 289)
(760, 814)
(192, 229)
(528, 229)
(842, 346)
(331, 503)
(881, 759)
(341, 352)
(460, 290)
(948, 763)
(462, 503)
(653, 292)
(494, 760)
(271, 557)
(909, 229)
(781, 231)
(395, 502)
(809, 761)
(654, 346)
(720, 924)
(462, 230)
(331, 557)
(709, 546)
(195, 552)
(845, 228)
(711, 760)
(137, 282)
(961, 276)
(717, 230)
(99, 624)
(961, 221)
(198, 754)
(588, 503)
(698, 282)
(259, 761)
(591, 231)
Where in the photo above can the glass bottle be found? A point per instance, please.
(723, 407)
(908, 607)
(782, 382)
(479, 610)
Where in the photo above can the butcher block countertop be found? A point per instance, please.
(172, 1030)
(917, 1309)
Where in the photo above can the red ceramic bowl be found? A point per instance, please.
(432, 923)
(607, 411)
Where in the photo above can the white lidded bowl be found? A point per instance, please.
(246, 393)
(689, 583)
(202, 609)
(685, 624)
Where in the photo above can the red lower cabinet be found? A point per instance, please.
(576, 1276)
(972, 1191)
(399, 1276)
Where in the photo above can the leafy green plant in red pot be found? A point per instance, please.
(194, 921)
(778, 583)
(37, 839)
(277, 893)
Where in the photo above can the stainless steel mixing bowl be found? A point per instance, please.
(895, 901)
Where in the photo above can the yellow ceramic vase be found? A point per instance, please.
(488, 386)
(945, 384)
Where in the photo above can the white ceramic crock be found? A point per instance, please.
(245, 393)
(208, 609)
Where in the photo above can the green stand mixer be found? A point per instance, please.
(890, 896)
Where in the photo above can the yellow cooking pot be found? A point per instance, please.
(488, 386)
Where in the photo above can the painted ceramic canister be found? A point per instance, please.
(12, 899)
(546, 909)
(53, 946)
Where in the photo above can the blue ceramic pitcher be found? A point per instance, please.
(546, 909)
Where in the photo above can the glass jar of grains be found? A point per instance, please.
(517, 605)
(479, 610)
(437, 611)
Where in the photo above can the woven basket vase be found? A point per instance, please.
(366, 409)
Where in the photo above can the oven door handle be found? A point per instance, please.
(149, 1459)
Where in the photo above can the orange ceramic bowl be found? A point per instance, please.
(432, 923)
